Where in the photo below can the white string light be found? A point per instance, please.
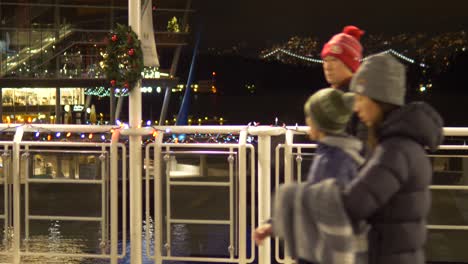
(391, 51)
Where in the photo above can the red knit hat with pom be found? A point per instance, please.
(346, 47)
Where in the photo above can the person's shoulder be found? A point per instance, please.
(395, 150)
(398, 144)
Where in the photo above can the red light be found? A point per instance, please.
(214, 73)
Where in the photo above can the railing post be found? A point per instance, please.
(264, 193)
(243, 197)
(114, 189)
(288, 172)
(17, 195)
(157, 198)
(288, 161)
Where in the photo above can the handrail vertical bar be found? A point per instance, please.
(6, 175)
(108, 196)
(167, 160)
(252, 201)
(264, 190)
(288, 172)
(242, 197)
(157, 198)
(148, 174)
(299, 163)
(17, 195)
(103, 202)
(288, 162)
(277, 174)
(114, 203)
(124, 200)
(231, 204)
(26, 199)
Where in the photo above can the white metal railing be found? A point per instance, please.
(235, 203)
(108, 154)
(45, 148)
(240, 157)
(5, 179)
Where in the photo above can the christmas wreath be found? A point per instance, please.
(124, 58)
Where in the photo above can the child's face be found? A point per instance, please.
(314, 133)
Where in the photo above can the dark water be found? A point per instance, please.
(287, 106)
(75, 237)
(449, 208)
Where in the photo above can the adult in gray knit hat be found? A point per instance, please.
(391, 191)
(382, 78)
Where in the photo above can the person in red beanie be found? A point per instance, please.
(342, 55)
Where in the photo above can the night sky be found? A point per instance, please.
(259, 23)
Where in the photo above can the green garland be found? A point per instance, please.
(124, 58)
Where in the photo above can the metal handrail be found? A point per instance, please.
(17, 146)
(154, 171)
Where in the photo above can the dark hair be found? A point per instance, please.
(372, 132)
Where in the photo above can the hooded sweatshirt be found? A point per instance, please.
(337, 157)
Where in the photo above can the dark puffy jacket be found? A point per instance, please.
(391, 191)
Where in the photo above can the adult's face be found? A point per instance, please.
(367, 110)
(336, 72)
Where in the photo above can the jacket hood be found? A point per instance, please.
(418, 121)
(352, 146)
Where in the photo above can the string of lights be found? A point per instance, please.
(45, 133)
(305, 58)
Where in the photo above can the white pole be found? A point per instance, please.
(288, 172)
(157, 196)
(114, 197)
(264, 184)
(243, 197)
(136, 210)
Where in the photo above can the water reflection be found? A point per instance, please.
(187, 240)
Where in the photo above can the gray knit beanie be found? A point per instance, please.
(382, 78)
(330, 110)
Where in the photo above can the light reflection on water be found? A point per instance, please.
(186, 241)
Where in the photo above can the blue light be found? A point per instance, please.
(58, 134)
(148, 123)
(82, 135)
(181, 137)
(103, 137)
(37, 134)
